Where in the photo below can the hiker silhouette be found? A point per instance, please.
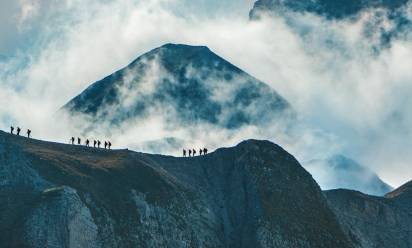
(87, 143)
(204, 151)
(190, 152)
(109, 144)
(18, 131)
(105, 145)
(72, 140)
(194, 152)
(79, 141)
(94, 143)
(184, 153)
(28, 133)
(98, 143)
(11, 129)
(200, 152)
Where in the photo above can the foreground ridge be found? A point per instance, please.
(252, 195)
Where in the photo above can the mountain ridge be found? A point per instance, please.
(228, 198)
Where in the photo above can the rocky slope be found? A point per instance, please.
(340, 172)
(185, 85)
(251, 195)
(375, 221)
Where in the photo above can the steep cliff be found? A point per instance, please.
(251, 195)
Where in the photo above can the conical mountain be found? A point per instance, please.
(185, 85)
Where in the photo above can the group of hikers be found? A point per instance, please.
(108, 144)
(96, 143)
(192, 152)
(18, 130)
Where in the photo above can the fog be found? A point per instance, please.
(351, 93)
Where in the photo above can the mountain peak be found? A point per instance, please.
(194, 84)
(177, 46)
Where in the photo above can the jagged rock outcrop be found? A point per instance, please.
(371, 221)
(251, 195)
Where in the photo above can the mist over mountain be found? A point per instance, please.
(381, 21)
(185, 85)
(341, 172)
(331, 9)
(190, 87)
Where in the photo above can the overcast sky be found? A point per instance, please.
(357, 100)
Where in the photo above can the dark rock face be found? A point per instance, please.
(331, 9)
(251, 195)
(375, 221)
(185, 85)
(341, 172)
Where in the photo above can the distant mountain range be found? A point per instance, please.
(342, 172)
(336, 9)
(185, 85)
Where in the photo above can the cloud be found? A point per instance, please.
(351, 94)
(28, 10)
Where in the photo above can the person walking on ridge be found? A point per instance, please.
(72, 140)
(200, 152)
(204, 151)
(28, 133)
(94, 143)
(190, 152)
(87, 143)
(11, 129)
(184, 153)
(105, 145)
(194, 152)
(79, 141)
(18, 131)
(109, 144)
(98, 143)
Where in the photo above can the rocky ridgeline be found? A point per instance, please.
(251, 195)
